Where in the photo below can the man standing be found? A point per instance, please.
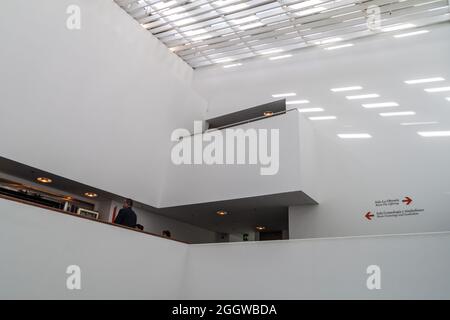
(126, 216)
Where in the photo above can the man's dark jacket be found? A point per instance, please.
(126, 217)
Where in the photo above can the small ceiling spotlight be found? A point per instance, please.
(260, 228)
(91, 195)
(221, 213)
(44, 180)
(268, 113)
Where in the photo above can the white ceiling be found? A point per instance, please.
(206, 32)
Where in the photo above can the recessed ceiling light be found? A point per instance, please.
(302, 110)
(221, 213)
(297, 102)
(44, 180)
(281, 57)
(232, 65)
(268, 113)
(260, 228)
(398, 27)
(305, 4)
(230, 8)
(395, 114)
(281, 95)
(90, 194)
(418, 123)
(441, 89)
(222, 60)
(310, 11)
(340, 47)
(354, 135)
(434, 133)
(322, 118)
(196, 32)
(363, 96)
(426, 80)
(331, 40)
(251, 25)
(448, 98)
(184, 21)
(409, 34)
(380, 105)
(346, 89)
(271, 51)
(244, 20)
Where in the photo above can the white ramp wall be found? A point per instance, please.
(412, 267)
(37, 246)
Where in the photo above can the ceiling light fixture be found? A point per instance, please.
(221, 213)
(251, 26)
(232, 65)
(322, 118)
(310, 11)
(363, 96)
(303, 110)
(346, 89)
(44, 180)
(380, 105)
(396, 114)
(340, 47)
(418, 123)
(331, 40)
(434, 133)
(91, 195)
(354, 135)
(268, 113)
(281, 57)
(425, 80)
(297, 102)
(409, 34)
(281, 95)
(305, 4)
(271, 51)
(260, 228)
(440, 89)
(398, 27)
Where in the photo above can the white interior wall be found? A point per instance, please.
(95, 105)
(120, 264)
(37, 246)
(348, 176)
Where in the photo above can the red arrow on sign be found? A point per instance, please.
(407, 200)
(369, 215)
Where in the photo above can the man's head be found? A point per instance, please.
(128, 203)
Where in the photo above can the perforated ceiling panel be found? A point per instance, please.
(206, 32)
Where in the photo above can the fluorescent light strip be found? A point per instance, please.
(305, 4)
(322, 118)
(354, 135)
(297, 102)
(440, 89)
(396, 114)
(303, 110)
(339, 47)
(418, 123)
(398, 27)
(426, 80)
(434, 133)
(346, 89)
(409, 34)
(271, 51)
(310, 11)
(251, 25)
(363, 96)
(281, 57)
(380, 105)
(326, 41)
(281, 95)
(232, 65)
